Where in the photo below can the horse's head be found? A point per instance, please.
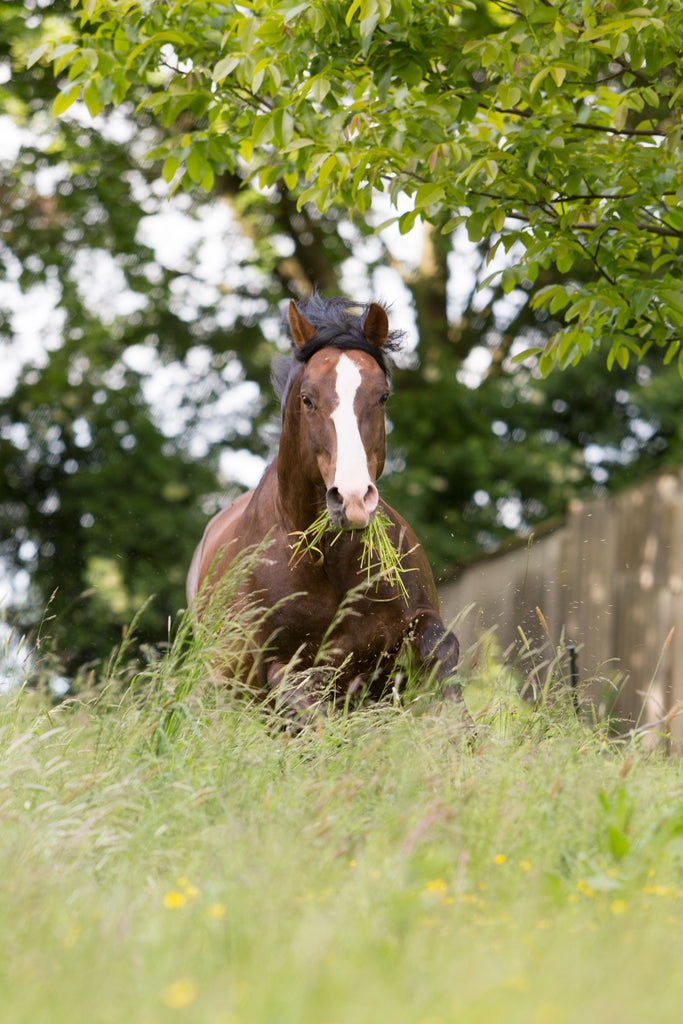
(341, 394)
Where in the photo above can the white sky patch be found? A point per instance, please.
(462, 278)
(12, 138)
(212, 238)
(209, 254)
(115, 126)
(36, 325)
(351, 472)
(242, 467)
(102, 285)
(408, 247)
(167, 388)
(474, 367)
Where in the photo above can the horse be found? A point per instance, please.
(333, 390)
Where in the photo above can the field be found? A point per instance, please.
(169, 853)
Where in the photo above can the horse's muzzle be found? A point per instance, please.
(352, 511)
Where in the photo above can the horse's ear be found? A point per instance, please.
(301, 330)
(376, 326)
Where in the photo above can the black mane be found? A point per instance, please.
(338, 324)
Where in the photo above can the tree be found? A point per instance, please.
(103, 492)
(85, 468)
(103, 488)
(553, 127)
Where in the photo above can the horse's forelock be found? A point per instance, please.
(339, 323)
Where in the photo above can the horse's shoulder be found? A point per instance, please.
(415, 556)
(220, 533)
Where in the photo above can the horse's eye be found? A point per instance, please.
(384, 398)
(307, 402)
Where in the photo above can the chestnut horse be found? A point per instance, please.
(331, 453)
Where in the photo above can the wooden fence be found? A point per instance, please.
(610, 579)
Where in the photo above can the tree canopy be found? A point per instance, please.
(105, 482)
(554, 128)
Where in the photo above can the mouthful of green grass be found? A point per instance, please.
(380, 560)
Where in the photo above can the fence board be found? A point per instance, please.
(609, 579)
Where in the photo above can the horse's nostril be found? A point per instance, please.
(334, 499)
(371, 498)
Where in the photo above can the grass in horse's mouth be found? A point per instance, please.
(379, 560)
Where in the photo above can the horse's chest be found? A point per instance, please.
(327, 614)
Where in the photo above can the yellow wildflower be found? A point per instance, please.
(500, 859)
(618, 906)
(174, 899)
(657, 890)
(71, 936)
(216, 910)
(179, 994)
(436, 885)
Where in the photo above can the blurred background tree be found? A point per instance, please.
(137, 333)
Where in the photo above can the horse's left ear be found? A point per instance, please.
(301, 330)
(376, 326)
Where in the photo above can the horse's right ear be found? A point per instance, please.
(300, 328)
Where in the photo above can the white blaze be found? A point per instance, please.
(352, 477)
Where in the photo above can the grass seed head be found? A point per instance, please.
(380, 559)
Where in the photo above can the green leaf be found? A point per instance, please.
(620, 115)
(61, 55)
(292, 11)
(64, 100)
(537, 79)
(327, 168)
(224, 67)
(195, 164)
(565, 261)
(320, 86)
(353, 8)
(476, 224)
(208, 177)
(673, 299)
(429, 193)
(671, 352)
(171, 165)
(91, 98)
(262, 130)
(407, 220)
(35, 55)
(498, 219)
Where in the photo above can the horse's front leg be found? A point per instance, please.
(438, 650)
(296, 701)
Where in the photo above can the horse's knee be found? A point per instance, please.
(437, 647)
(439, 651)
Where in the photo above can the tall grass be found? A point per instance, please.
(170, 852)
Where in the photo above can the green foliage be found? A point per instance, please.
(98, 491)
(553, 127)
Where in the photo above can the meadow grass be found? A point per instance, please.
(171, 853)
(379, 558)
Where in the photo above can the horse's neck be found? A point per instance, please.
(298, 498)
